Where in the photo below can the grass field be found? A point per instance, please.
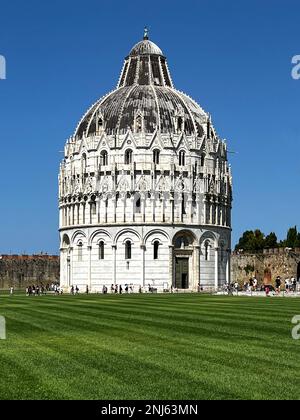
(149, 347)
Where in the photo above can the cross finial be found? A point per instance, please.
(146, 33)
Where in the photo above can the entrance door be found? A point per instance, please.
(182, 273)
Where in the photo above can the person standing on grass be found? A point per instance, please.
(287, 285)
(77, 290)
(11, 291)
(255, 284)
(278, 285)
(267, 290)
(236, 286)
(121, 289)
(294, 284)
(87, 290)
(72, 290)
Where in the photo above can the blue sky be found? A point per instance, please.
(233, 57)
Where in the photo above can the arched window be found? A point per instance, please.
(80, 251)
(207, 251)
(222, 252)
(179, 125)
(182, 158)
(183, 204)
(101, 250)
(138, 205)
(128, 250)
(156, 250)
(139, 124)
(100, 123)
(156, 157)
(104, 158)
(128, 157)
(181, 242)
(202, 160)
(84, 163)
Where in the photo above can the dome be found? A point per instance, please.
(145, 47)
(146, 89)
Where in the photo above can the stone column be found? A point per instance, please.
(143, 249)
(196, 266)
(216, 268)
(68, 259)
(114, 279)
(71, 265)
(199, 210)
(90, 267)
(228, 267)
(171, 266)
(98, 209)
(172, 210)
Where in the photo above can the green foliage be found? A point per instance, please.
(271, 241)
(291, 238)
(255, 241)
(251, 241)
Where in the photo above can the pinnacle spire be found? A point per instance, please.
(146, 33)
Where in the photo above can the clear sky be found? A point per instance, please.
(233, 57)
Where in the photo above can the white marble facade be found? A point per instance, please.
(145, 189)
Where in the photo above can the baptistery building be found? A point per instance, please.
(145, 189)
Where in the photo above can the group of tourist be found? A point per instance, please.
(289, 285)
(39, 290)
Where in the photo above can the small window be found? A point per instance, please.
(101, 250)
(93, 209)
(156, 250)
(207, 251)
(202, 160)
(80, 251)
(179, 125)
(222, 252)
(183, 204)
(139, 124)
(128, 157)
(182, 158)
(138, 205)
(156, 157)
(84, 163)
(104, 158)
(128, 250)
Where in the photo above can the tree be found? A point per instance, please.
(251, 241)
(292, 237)
(271, 241)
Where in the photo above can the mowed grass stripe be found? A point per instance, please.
(148, 347)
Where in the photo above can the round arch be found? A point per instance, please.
(100, 232)
(157, 232)
(78, 233)
(124, 232)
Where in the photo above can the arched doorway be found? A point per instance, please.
(298, 272)
(267, 277)
(184, 261)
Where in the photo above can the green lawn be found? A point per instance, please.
(149, 347)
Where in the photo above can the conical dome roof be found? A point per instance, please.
(145, 88)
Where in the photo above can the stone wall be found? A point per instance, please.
(20, 271)
(266, 266)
